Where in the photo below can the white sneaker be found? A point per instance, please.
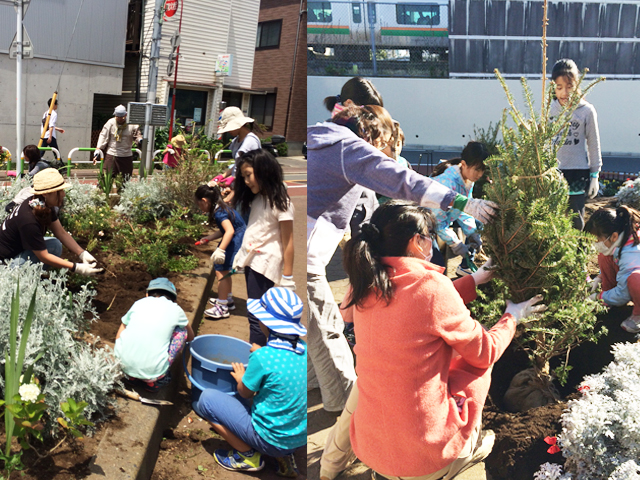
(631, 324)
(463, 272)
(217, 311)
(231, 305)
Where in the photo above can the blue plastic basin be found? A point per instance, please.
(211, 358)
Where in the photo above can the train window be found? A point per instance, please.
(411, 14)
(319, 12)
(269, 34)
(356, 8)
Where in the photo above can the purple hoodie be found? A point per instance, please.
(340, 164)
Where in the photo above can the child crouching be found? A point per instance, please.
(153, 332)
(276, 423)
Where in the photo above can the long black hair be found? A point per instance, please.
(474, 155)
(392, 226)
(606, 221)
(32, 155)
(268, 173)
(213, 195)
(359, 90)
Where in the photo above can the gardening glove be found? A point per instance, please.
(218, 256)
(594, 186)
(86, 257)
(483, 275)
(287, 282)
(476, 241)
(594, 284)
(460, 249)
(96, 157)
(86, 269)
(593, 296)
(522, 310)
(482, 210)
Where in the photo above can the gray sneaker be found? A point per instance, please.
(217, 312)
(631, 324)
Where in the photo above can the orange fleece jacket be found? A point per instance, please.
(407, 423)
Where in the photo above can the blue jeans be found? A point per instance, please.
(54, 247)
(223, 409)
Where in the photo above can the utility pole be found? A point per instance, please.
(152, 84)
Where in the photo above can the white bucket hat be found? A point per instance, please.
(231, 119)
(120, 111)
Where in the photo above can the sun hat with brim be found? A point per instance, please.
(280, 310)
(178, 140)
(231, 119)
(47, 181)
(163, 284)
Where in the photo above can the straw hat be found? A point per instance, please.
(231, 119)
(47, 181)
(178, 141)
(280, 310)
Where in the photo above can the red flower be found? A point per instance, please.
(583, 388)
(553, 448)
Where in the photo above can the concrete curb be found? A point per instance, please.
(130, 450)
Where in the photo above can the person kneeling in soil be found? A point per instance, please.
(276, 422)
(618, 248)
(22, 233)
(424, 365)
(153, 333)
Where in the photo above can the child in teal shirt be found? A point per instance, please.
(276, 378)
(153, 332)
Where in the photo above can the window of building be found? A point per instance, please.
(232, 99)
(269, 34)
(356, 10)
(191, 107)
(262, 109)
(319, 12)
(407, 14)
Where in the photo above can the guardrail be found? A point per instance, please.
(219, 154)
(83, 149)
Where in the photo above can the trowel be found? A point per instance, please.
(136, 396)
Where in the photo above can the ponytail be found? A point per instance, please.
(41, 211)
(392, 226)
(215, 198)
(606, 221)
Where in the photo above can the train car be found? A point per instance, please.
(401, 24)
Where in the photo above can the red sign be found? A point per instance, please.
(170, 8)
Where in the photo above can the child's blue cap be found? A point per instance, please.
(280, 310)
(163, 284)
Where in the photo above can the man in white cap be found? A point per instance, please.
(117, 138)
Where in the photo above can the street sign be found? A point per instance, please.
(170, 9)
(27, 46)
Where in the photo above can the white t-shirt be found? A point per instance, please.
(262, 248)
(52, 123)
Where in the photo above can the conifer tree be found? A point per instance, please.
(534, 247)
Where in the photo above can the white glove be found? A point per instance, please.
(476, 241)
(459, 249)
(218, 256)
(594, 284)
(86, 257)
(86, 269)
(522, 310)
(483, 274)
(482, 210)
(171, 151)
(593, 296)
(594, 186)
(288, 283)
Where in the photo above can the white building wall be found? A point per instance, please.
(40, 77)
(443, 112)
(242, 41)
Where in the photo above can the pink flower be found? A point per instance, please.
(553, 448)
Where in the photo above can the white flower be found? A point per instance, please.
(100, 233)
(29, 392)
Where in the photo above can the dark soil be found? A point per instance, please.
(520, 448)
